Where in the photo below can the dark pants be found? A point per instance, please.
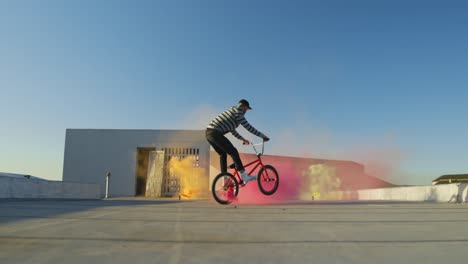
(223, 146)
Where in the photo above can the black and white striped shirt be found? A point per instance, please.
(230, 119)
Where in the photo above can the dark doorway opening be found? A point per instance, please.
(142, 169)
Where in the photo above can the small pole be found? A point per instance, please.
(108, 175)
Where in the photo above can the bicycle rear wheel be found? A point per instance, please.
(225, 188)
(268, 180)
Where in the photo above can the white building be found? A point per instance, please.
(91, 153)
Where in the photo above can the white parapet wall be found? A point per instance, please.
(455, 192)
(43, 189)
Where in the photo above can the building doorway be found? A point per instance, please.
(179, 172)
(141, 172)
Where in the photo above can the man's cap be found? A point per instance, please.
(245, 103)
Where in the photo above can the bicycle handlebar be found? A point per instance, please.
(258, 144)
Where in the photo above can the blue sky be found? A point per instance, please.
(384, 83)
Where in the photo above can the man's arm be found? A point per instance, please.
(249, 127)
(237, 135)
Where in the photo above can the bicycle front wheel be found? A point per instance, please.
(225, 188)
(268, 180)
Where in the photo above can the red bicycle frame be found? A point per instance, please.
(258, 163)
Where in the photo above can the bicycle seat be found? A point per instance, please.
(232, 166)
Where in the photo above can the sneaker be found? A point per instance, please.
(246, 178)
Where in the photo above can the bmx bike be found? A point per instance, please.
(225, 186)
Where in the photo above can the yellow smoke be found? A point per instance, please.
(192, 178)
(320, 182)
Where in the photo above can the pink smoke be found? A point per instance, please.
(288, 189)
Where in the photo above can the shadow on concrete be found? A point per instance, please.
(459, 197)
(230, 242)
(433, 195)
(13, 210)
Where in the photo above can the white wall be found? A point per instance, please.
(455, 192)
(30, 188)
(90, 153)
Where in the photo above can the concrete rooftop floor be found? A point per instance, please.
(201, 231)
